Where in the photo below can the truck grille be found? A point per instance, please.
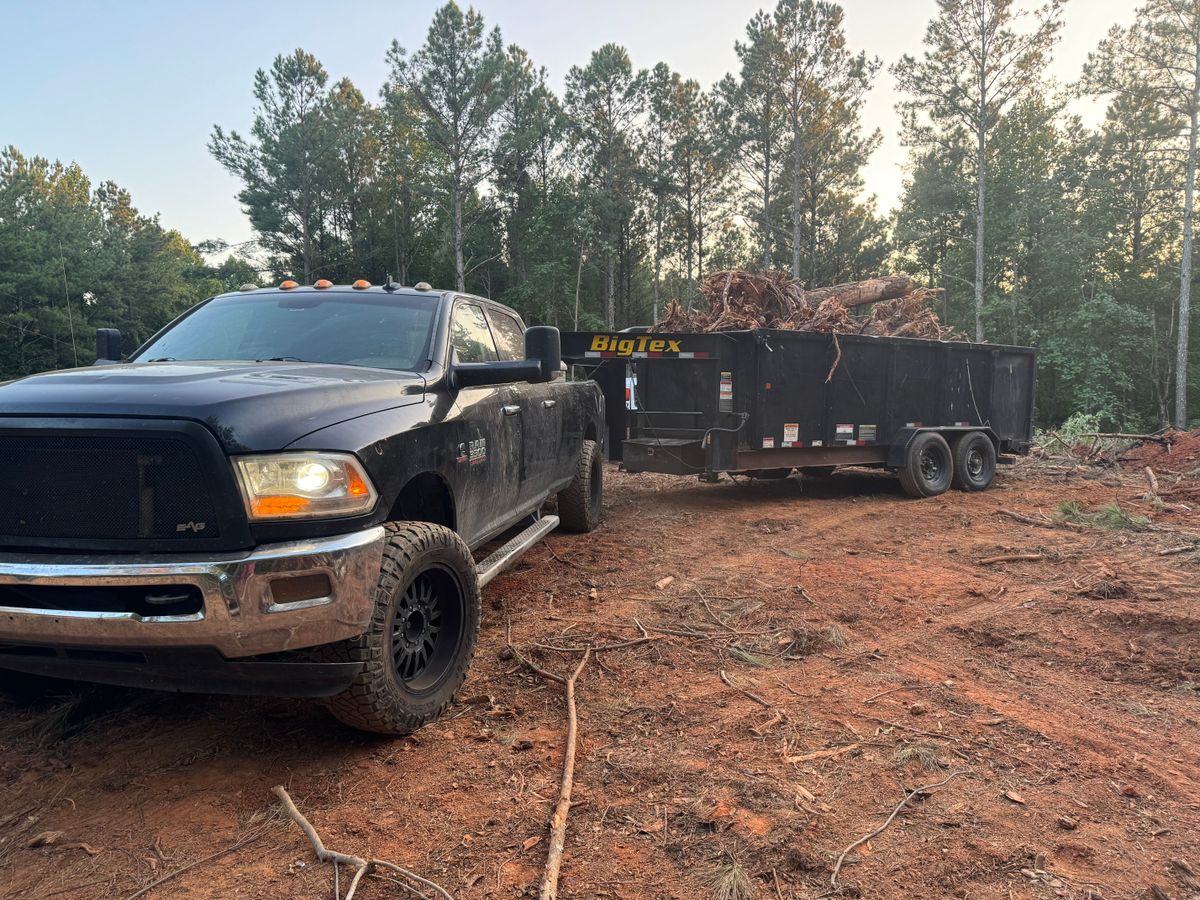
(104, 487)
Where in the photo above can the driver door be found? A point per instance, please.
(487, 434)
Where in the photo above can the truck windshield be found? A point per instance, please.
(382, 331)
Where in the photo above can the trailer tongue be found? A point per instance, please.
(763, 402)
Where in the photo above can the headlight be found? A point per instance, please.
(304, 485)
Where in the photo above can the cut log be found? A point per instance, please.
(859, 293)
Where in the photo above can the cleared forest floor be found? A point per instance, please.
(881, 654)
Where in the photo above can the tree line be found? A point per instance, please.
(594, 205)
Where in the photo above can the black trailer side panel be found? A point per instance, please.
(744, 392)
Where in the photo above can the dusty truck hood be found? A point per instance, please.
(249, 406)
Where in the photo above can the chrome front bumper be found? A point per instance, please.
(239, 616)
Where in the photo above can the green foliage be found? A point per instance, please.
(74, 257)
(1110, 516)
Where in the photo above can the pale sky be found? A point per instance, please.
(131, 90)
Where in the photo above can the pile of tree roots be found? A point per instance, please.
(738, 300)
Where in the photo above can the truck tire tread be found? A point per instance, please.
(373, 702)
(578, 508)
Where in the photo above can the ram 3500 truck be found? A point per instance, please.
(282, 492)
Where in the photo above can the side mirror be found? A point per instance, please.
(505, 372)
(108, 346)
(543, 344)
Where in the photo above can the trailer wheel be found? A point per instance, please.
(974, 462)
(421, 637)
(580, 502)
(929, 468)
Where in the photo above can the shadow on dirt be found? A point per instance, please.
(69, 720)
(685, 492)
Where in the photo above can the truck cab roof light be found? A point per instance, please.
(423, 286)
(248, 287)
(288, 285)
(361, 285)
(322, 283)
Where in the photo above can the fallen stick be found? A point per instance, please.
(822, 754)
(1041, 523)
(1122, 436)
(888, 821)
(757, 699)
(1171, 551)
(361, 866)
(1011, 557)
(904, 727)
(1152, 481)
(558, 821)
(1028, 520)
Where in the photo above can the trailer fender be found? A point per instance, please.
(898, 450)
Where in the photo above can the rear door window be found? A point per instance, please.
(470, 336)
(510, 337)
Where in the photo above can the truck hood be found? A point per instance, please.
(249, 406)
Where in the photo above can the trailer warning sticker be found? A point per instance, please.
(866, 432)
(725, 393)
(791, 434)
(768, 443)
(844, 432)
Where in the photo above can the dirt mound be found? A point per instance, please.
(738, 299)
(1178, 453)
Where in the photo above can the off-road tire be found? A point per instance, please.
(928, 468)
(974, 461)
(580, 502)
(379, 700)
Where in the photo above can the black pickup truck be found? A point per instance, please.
(285, 491)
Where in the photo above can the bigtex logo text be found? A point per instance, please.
(627, 346)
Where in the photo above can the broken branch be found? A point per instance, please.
(361, 866)
(888, 821)
(1011, 557)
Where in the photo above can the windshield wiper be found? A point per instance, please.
(280, 359)
(163, 359)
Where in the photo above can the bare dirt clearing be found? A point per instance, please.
(823, 648)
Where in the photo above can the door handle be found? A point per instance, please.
(512, 410)
(549, 404)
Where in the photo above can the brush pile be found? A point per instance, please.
(739, 300)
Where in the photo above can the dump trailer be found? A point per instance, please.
(764, 402)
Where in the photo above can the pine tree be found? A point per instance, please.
(284, 163)
(1157, 61)
(459, 79)
(976, 64)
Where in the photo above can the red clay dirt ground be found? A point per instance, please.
(1064, 691)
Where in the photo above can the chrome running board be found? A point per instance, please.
(514, 549)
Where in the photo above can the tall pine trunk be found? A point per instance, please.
(610, 287)
(460, 275)
(766, 210)
(796, 161)
(981, 174)
(1185, 270)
